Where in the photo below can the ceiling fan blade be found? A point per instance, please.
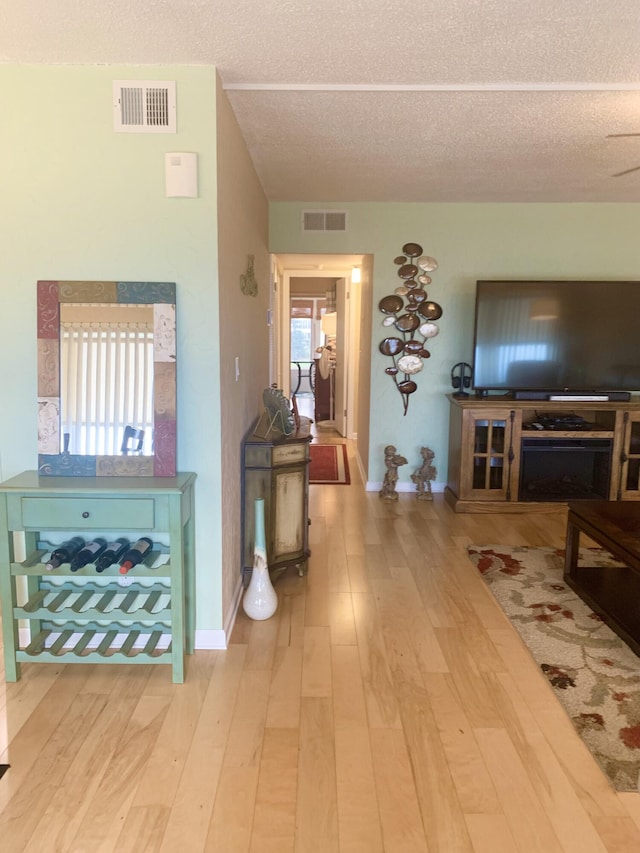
(626, 172)
(619, 135)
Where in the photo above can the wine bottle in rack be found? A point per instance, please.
(112, 553)
(88, 553)
(135, 554)
(64, 552)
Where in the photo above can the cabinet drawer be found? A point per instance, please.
(257, 456)
(264, 456)
(91, 513)
(285, 454)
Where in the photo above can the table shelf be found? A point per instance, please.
(34, 567)
(92, 643)
(90, 601)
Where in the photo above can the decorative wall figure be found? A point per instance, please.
(248, 283)
(417, 315)
(393, 461)
(423, 476)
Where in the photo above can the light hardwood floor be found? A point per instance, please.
(387, 706)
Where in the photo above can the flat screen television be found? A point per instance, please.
(536, 338)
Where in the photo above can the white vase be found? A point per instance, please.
(260, 599)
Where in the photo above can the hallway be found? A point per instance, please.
(323, 432)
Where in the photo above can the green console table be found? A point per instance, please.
(147, 617)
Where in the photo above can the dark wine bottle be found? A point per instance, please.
(111, 554)
(135, 554)
(65, 552)
(88, 553)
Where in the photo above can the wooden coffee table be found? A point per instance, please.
(613, 592)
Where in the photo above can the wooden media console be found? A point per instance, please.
(509, 455)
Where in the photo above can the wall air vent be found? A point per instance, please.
(144, 106)
(324, 220)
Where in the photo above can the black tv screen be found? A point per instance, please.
(557, 336)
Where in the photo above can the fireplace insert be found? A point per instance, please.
(565, 469)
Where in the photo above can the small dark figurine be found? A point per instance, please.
(424, 475)
(393, 461)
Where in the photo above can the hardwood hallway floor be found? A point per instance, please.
(387, 706)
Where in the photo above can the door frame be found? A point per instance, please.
(282, 335)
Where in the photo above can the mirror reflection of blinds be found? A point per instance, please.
(106, 384)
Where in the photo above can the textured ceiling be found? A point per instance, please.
(403, 100)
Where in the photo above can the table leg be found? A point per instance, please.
(571, 551)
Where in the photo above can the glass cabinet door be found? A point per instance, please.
(489, 455)
(630, 459)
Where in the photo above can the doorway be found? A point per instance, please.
(316, 336)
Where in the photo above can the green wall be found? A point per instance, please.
(470, 241)
(82, 202)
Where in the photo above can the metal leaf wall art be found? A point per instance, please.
(411, 316)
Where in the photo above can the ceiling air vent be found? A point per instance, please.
(144, 106)
(324, 220)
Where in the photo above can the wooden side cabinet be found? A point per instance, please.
(276, 469)
(147, 617)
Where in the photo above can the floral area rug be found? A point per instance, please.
(594, 674)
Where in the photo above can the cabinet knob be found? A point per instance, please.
(85, 514)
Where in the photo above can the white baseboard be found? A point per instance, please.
(209, 639)
(219, 639)
(230, 618)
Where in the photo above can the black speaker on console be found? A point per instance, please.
(461, 374)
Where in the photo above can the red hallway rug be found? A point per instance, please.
(593, 673)
(329, 465)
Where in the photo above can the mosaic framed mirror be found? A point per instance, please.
(106, 378)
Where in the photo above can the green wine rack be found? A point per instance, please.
(144, 617)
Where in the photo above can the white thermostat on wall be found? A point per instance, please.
(181, 174)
